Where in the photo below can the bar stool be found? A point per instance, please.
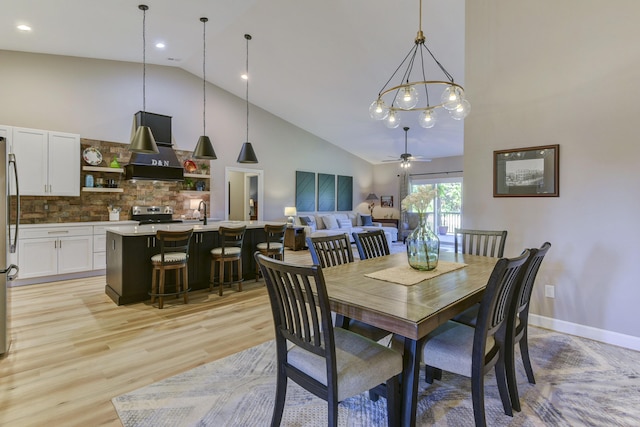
(174, 255)
(229, 251)
(274, 246)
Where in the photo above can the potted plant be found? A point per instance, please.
(188, 184)
(205, 168)
(443, 228)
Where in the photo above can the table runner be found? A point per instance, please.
(407, 276)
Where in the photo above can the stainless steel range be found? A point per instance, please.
(153, 215)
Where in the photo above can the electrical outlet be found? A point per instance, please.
(549, 291)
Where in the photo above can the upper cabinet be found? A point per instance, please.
(48, 162)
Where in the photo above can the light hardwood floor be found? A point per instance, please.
(73, 349)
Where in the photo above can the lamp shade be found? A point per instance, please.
(290, 211)
(204, 149)
(372, 196)
(143, 141)
(247, 155)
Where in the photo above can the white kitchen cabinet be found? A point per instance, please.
(55, 250)
(48, 162)
(99, 247)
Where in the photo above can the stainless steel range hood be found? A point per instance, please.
(163, 166)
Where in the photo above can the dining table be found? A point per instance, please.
(410, 311)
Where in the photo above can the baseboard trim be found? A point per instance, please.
(608, 337)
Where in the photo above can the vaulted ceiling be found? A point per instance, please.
(317, 65)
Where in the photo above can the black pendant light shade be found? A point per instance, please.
(247, 155)
(204, 148)
(143, 140)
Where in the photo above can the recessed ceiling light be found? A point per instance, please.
(24, 27)
(160, 45)
(244, 77)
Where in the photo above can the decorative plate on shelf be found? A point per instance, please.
(190, 166)
(92, 156)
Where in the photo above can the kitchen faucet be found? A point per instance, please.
(202, 203)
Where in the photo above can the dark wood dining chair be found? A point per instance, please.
(371, 244)
(332, 363)
(472, 352)
(229, 251)
(174, 255)
(273, 246)
(517, 321)
(328, 251)
(480, 242)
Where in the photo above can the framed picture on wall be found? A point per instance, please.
(386, 201)
(526, 172)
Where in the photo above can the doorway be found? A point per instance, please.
(244, 194)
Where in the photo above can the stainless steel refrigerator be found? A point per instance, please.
(9, 222)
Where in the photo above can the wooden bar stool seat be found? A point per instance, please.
(174, 255)
(274, 246)
(229, 251)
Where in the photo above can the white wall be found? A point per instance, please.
(98, 98)
(562, 72)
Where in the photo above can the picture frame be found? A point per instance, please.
(527, 172)
(386, 201)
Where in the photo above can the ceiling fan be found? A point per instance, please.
(406, 158)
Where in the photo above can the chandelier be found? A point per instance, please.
(406, 96)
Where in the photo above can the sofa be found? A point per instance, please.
(331, 224)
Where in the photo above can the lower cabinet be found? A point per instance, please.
(55, 250)
(200, 259)
(99, 247)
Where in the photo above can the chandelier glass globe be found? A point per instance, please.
(451, 97)
(428, 119)
(461, 111)
(393, 120)
(378, 110)
(407, 97)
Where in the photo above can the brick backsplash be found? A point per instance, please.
(95, 206)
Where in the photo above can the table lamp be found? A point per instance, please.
(290, 211)
(371, 197)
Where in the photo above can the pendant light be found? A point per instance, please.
(204, 149)
(247, 155)
(143, 140)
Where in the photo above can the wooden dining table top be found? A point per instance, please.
(410, 311)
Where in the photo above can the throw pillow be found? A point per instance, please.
(330, 222)
(344, 223)
(366, 220)
(307, 220)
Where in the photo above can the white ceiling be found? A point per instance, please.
(315, 64)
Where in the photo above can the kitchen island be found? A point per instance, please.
(130, 248)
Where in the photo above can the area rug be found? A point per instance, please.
(579, 383)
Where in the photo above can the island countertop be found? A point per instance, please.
(151, 229)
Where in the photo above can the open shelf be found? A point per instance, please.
(102, 169)
(103, 190)
(196, 175)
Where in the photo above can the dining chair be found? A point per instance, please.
(480, 242)
(472, 352)
(371, 244)
(332, 363)
(329, 251)
(229, 251)
(273, 247)
(518, 321)
(174, 255)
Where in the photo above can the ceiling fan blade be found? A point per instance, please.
(394, 160)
